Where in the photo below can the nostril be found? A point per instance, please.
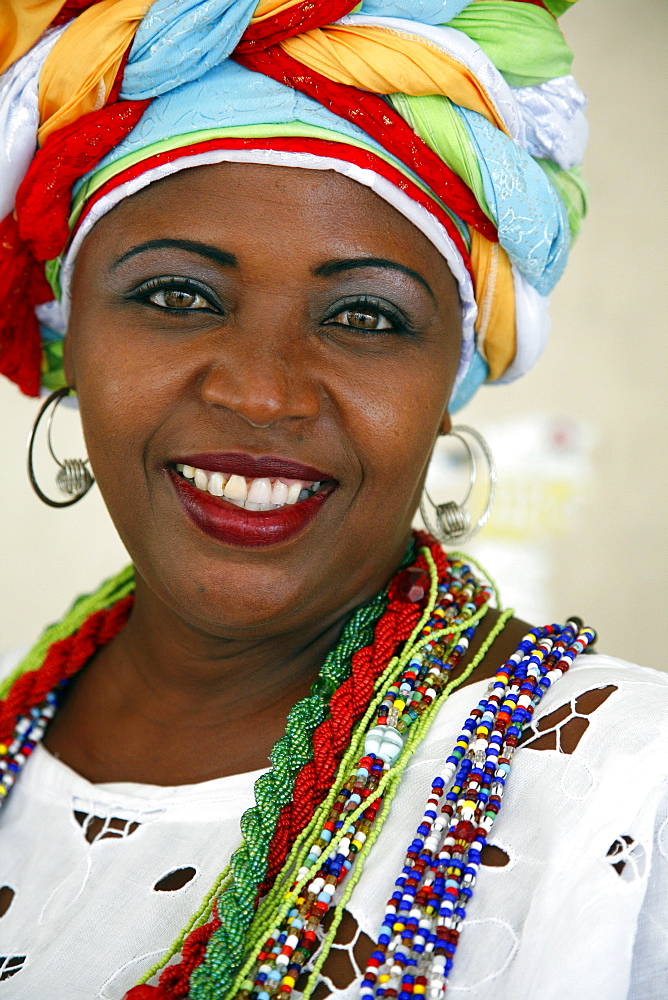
(261, 391)
(261, 426)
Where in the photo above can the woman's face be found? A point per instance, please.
(272, 324)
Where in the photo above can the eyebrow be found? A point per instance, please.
(332, 267)
(191, 246)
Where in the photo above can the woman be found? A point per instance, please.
(274, 293)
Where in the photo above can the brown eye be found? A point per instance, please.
(363, 319)
(175, 298)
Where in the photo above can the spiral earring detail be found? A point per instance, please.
(74, 478)
(451, 522)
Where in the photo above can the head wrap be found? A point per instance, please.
(460, 113)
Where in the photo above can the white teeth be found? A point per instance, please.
(294, 489)
(236, 488)
(201, 479)
(216, 484)
(279, 494)
(253, 494)
(259, 492)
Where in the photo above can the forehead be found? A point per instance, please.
(308, 213)
(232, 187)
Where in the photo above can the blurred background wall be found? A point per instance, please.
(581, 524)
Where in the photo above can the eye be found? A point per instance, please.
(362, 319)
(172, 294)
(369, 315)
(177, 298)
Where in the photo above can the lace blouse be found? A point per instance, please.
(97, 880)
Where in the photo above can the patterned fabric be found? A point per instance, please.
(496, 134)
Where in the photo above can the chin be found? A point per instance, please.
(230, 600)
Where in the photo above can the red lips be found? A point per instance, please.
(233, 525)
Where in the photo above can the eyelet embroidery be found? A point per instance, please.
(104, 827)
(627, 857)
(6, 897)
(175, 879)
(563, 728)
(493, 857)
(10, 965)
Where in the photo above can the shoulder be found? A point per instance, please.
(637, 688)
(593, 664)
(611, 718)
(603, 708)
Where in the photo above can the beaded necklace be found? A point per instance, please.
(321, 806)
(283, 936)
(417, 941)
(462, 602)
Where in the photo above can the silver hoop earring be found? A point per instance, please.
(74, 478)
(450, 522)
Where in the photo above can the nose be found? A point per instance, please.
(262, 380)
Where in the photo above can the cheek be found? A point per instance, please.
(108, 400)
(121, 375)
(120, 394)
(397, 417)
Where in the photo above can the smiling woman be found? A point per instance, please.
(271, 249)
(284, 347)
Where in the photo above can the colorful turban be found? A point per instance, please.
(462, 114)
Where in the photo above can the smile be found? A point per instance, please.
(251, 494)
(245, 501)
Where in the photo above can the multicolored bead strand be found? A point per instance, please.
(285, 930)
(417, 942)
(414, 741)
(235, 906)
(28, 732)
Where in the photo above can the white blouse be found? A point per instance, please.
(577, 909)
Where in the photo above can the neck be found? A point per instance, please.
(178, 667)
(165, 703)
